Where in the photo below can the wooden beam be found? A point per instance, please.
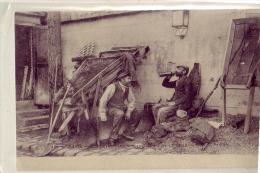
(239, 87)
(223, 106)
(229, 47)
(54, 54)
(54, 48)
(24, 82)
(33, 14)
(30, 18)
(243, 21)
(249, 110)
(70, 17)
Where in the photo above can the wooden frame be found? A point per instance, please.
(249, 106)
(230, 55)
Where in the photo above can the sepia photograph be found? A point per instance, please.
(156, 82)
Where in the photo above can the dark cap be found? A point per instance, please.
(122, 74)
(186, 68)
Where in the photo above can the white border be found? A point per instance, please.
(7, 54)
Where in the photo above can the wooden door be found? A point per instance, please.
(41, 92)
(243, 51)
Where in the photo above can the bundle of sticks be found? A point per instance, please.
(94, 74)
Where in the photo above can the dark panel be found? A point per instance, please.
(41, 93)
(22, 55)
(243, 51)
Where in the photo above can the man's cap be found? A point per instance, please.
(186, 68)
(122, 74)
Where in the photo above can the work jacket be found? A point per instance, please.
(183, 91)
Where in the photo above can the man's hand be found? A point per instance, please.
(171, 103)
(103, 117)
(128, 115)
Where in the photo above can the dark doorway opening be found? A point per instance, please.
(24, 63)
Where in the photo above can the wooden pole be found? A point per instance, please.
(58, 112)
(66, 121)
(24, 82)
(94, 109)
(54, 91)
(30, 85)
(249, 110)
(224, 106)
(54, 48)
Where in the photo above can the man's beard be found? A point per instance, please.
(126, 84)
(179, 74)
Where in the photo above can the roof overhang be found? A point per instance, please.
(33, 19)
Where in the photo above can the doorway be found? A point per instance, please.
(24, 63)
(31, 70)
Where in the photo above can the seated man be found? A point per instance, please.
(181, 100)
(118, 101)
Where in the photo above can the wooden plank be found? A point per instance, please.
(118, 51)
(24, 82)
(68, 17)
(224, 106)
(32, 69)
(245, 21)
(94, 79)
(240, 87)
(256, 73)
(58, 113)
(239, 40)
(66, 121)
(26, 24)
(27, 20)
(41, 85)
(229, 47)
(54, 52)
(95, 109)
(249, 110)
(85, 105)
(249, 50)
(94, 106)
(242, 57)
(128, 47)
(32, 14)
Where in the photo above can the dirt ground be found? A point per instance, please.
(227, 140)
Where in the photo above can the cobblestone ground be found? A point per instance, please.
(27, 142)
(228, 140)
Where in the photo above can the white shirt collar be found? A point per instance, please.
(122, 86)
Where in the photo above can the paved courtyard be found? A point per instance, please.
(227, 140)
(27, 143)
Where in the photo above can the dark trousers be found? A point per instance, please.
(120, 124)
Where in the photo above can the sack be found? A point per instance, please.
(201, 132)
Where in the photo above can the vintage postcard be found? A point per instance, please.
(157, 89)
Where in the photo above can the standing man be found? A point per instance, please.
(181, 100)
(118, 101)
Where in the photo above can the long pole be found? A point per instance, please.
(58, 112)
(209, 95)
(54, 91)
